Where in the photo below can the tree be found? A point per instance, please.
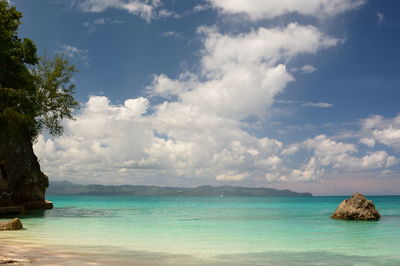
(34, 92)
(54, 93)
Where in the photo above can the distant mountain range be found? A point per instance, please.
(68, 188)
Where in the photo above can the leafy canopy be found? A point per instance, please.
(34, 92)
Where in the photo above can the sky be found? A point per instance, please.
(290, 94)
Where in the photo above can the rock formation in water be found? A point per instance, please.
(14, 224)
(22, 183)
(356, 208)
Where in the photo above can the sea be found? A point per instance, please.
(123, 230)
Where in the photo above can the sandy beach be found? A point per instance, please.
(13, 253)
(23, 253)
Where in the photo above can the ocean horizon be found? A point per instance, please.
(211, 231)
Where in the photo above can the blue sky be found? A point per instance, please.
(290, 94)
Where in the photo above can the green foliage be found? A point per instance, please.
(54, 92)
(15, 53)
(34, 93)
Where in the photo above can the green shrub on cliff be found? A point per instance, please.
(34, 92)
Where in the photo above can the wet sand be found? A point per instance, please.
(22, 253)
(12, 253)
(16, 253)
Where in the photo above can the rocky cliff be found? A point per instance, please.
(22, 183)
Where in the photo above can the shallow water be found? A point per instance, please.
(229, 230)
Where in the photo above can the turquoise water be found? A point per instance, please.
(230, 230)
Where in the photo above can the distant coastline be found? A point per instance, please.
(69, 188)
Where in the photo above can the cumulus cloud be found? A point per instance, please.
(378, 129)
(198, 130)
(328, 153)
(123, 140)
(368, 142)
(339, 155)
(243, 82)
(270, 45)
(196, 127)
(290, 150)
(260, 9)
(127, 142)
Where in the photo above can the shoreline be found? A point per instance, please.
(23, 253)
(15, 254)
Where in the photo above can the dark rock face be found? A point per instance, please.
(39, 205)
(14, 224)
(356, 208)
(21, 180)
(12, 210)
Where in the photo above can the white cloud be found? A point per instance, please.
(146, 9)
(308, 69)
(341, 157)
(163, 86)
(199, 8)
(389, 136)
(177, 140)
(242, 82)
(328, 151)
(197, 131)
(385, 131)
(118, 142)
(307, 104)
(164, 13)
(379, 159)
(230, 176)
(99, 5)
(198, 128)
(320, 105)
(368, 142)
(92, 26)
(261, 9)
(310, 171)
(70, 51)
(75, 52)
(380, 17)
(269, 45)
(290, 150)
(172, 34)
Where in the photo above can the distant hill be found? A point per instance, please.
(68, 188)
